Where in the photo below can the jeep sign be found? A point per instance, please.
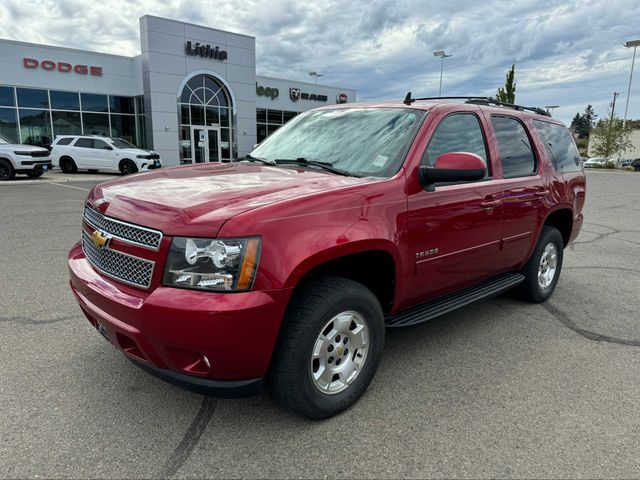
(270, 92)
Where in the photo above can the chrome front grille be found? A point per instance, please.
(127, 232)
(121, 266)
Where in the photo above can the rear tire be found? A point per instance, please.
(329, 348)
(543, 268)
(6, 170)
(67, 165)
(128, 167)
(35, 173)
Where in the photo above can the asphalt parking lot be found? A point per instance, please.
(499, 389)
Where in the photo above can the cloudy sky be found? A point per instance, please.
(567, 53)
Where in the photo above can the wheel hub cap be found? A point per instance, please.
(548, 265)
(339, 352)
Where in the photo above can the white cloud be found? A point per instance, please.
(566, 53)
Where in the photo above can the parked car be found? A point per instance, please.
(285, 268)
(593, 161)
(22, 159)
(96, 153)
(636, 164)
(626, 163)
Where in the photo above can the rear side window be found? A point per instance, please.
(558, 142)
(514, 146)
(460, 132)
(64, 141)
(84, 143)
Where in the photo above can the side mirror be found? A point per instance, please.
(453, 167)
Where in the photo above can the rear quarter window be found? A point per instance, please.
(64, 141)
(560, 146)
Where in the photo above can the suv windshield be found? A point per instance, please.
(120, 143)
(360, 141)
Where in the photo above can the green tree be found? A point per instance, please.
(583, 124)
(507, 94)
(609, 138)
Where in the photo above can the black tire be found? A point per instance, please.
(67, 165)
(128, 167)
(531, 289)
(6, 170)
(35, 173)
(313, 306)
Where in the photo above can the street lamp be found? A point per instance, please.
(550, 108)
(316, 74)
(634, 44)
(442, 55)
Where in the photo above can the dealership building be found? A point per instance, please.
(192, 94)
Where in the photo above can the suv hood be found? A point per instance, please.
(22, 147)
(197, 200)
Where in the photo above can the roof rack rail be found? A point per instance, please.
(477, 100)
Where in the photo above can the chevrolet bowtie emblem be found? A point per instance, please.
(99, 239)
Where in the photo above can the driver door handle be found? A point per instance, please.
(491, 201)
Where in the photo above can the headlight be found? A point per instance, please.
(218, 264)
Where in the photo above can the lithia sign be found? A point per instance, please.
(205, 51)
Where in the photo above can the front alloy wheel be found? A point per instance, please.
(340, 352)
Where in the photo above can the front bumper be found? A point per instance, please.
(219, 343)
(34, 165)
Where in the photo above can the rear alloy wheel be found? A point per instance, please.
(329, 348)
(35, 173)
(6, 171)
(67, 165)
(127, 167)
(543, 269)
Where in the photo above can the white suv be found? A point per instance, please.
(95, 153)
(27, 159)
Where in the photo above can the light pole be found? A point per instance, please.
(442, 55)
(633, 44)
(550, 108)
(316, 74)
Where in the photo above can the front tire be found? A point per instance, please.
(6, 170)
(329, 348)
(128, 167)
(543, 268)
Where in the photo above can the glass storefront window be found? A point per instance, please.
(213, 116)
(6, 97)
(94, 103)
(262, 132)
(141, 139)
(64, 100)
(139, 104)
(66, 123)
(224, 117)
(274, 116)
(184, 115)
(185, 145)
(9, 125)
(121, 104)
(95, 123)
(123, 126)
(197, 115)
(286, 116)
(32, 98)
(261, 115)
(35, 128)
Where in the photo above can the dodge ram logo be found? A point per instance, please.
(294, 94)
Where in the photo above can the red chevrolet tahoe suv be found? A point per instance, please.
(286, 267)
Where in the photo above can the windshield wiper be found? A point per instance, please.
(251, 158)
(324, 165)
